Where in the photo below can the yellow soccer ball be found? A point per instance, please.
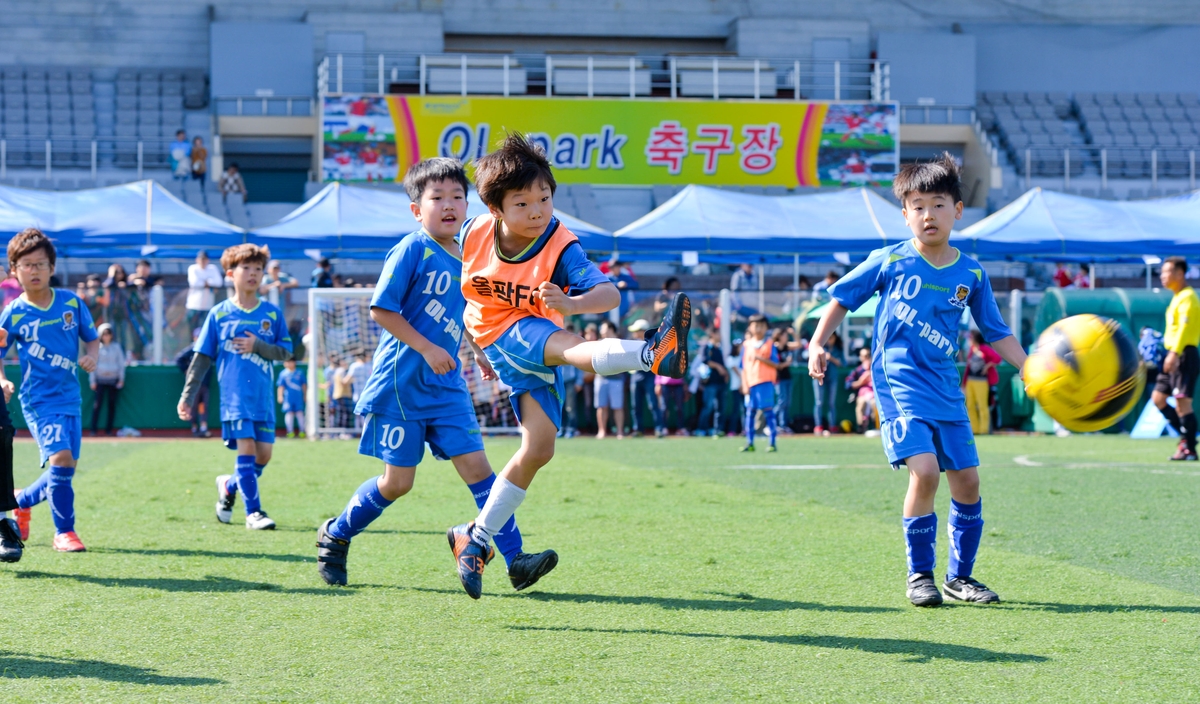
(1085, 372)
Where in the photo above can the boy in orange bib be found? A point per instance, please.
(523, 271)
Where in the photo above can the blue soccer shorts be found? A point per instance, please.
(55, 433)
(519, 357)
(761, 396)
(401, 443)
(289, 408)
(257, 430)
(951, 441)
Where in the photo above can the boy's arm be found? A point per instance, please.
(437, 358)
(1010, 351)
(279, 395)
(191, 385)
(818, 358)
(88, 360)
(601, 298)
(485, 366)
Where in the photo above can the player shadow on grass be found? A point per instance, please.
(1102, 608)
(25, 666)
(179, 552)
(918, 651)
(734, 602)
(379, 531)
(210, 583)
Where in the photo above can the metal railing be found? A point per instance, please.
(922, 114)
(264, 105)
(1110, 162)
(75, 154)
(715, 77)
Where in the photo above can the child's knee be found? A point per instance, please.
(536, 451)
(63, 458)
(393, 485)
(262, 452)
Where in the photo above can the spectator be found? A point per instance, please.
(343, 396)
(641, 392)
(980, 360)
(199, 164)
(803, 284)
(783, 380)
(744, 279)
(360, 371)
(231, 183)
(714, 379)
(862, 390)
(1062, 276)
(337, 281)
(665, 296)
(94, 297)
(1084, 278)
(138, 289)
(670, 402)
(142, 276)
(826, 394)
(610, 391)
(203, 278)
(277, 280)
(625, 284)
(322, 276)
(117, 299)
(821, 288)
(107, 379)
(1153, 352)
(179, 157)
(572, 386)
(200, 405)
(734, 406)
(10, 288)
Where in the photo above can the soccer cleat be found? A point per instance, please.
(747, 448)
(922, 590)
(22, 515)
(967, 589)
(772, 448)
(470, 556)
(331, 556)
(68, 542)
(259, 520)
(528, 568)
(1182, 454)
(225, 499)
(668, 346)
(11, 546)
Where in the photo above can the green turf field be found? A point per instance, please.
(689, 573)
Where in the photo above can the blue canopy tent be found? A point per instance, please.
(712, 221)
(1047, 225)
(135, 218)
(352, 220)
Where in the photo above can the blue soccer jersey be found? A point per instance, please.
(246, 380)
(47, 342)
(917, 326)
(422, 282)
(292, 382)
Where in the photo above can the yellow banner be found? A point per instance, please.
(626, 142)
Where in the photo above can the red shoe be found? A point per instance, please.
(818, 430)
(22, 515)
(68, 542)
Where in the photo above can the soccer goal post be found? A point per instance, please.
(342, 339)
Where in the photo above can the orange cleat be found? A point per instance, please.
(669, 345)
(22, 515)
(68, 542)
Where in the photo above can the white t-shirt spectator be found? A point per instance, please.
(201, 282)
(359, 372)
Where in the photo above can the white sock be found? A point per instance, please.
(613, 356)
(501, 504)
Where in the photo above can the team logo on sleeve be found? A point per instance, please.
(68, 320)
(264, 326)
(959, 299)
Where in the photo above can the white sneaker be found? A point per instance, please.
(225, 500)
(259, 520)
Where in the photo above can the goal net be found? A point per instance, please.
(342, 342)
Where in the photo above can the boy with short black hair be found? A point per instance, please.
(47, 325)
(416, 393)
(292, 388)
(760, 366)
(244, 336)
(924, 286)
(522, 272)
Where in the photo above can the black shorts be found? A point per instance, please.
(1181, 383)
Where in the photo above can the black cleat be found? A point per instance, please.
(669, 344)
(967, 589)
(11, 546)
(922, 590)
(331, 556)
(470, 557)
(528, 568)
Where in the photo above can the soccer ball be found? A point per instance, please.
(1085, 372)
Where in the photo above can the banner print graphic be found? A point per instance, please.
(621, 142)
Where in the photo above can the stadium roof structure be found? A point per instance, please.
(361, 220)
(135, 218)
(1047, 225)
(713, 221)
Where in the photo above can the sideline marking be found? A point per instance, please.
(1024, 461)
(784, 466)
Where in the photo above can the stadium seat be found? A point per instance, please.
(126, 88)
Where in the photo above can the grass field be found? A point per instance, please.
(689, 573)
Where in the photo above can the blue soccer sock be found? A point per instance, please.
(750, 426)
(920, 537)
(366, 505)
(258, 469)
(247, 483)
(61, 495)
(966, 528)
(508, 539)
(35, 493)
(770, 417)
(231, 484)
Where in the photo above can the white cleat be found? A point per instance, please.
(259, 520)
(225, 500)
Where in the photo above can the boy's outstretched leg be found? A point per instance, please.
(367, 504)
(920, 529)
(664, 352)
(966, 529)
